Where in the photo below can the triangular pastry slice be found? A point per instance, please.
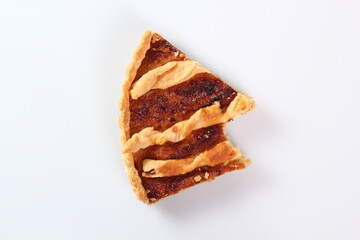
(173, 117)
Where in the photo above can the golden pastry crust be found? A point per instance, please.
(166, 76)
(173, 167)
(124, 119)
(204, 117)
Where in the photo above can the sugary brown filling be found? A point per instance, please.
(162, 108)
(159, 53)
(163, 187)
(198, 141)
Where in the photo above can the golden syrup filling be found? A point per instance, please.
(162, 108)
(198, 141)
(158, 188)
(159, 53)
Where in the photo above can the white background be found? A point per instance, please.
(62, 64)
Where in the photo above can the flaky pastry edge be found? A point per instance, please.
(124, 118)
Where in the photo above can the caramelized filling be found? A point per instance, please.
(162, 108)
(198, 141)
(162, 187)
(159, 53)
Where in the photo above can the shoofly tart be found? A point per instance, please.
(173, 116)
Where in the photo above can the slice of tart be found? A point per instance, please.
(173, 117)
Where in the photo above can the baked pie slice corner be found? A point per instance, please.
(173, 118)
